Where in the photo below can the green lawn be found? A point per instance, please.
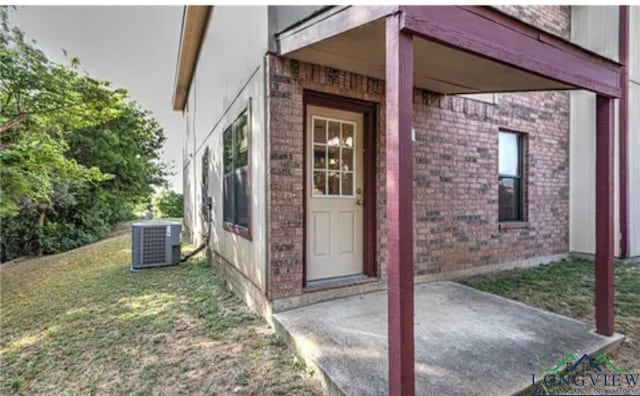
(566, 287)
(82, 323)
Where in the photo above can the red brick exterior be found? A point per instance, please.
(553, 19)
(286, 81)
(455, 172)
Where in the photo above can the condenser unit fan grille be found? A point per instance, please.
(153, 240)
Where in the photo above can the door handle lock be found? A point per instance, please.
(360, 202)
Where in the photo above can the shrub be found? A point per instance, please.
(167, 203)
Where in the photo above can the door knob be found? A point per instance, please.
(359, 202)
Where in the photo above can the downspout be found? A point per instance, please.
(623, 125)
(267, 173)
(194, 189)
(206, 237)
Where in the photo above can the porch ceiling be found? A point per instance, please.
(456, 50)
(438, 68)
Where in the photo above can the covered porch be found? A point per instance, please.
(455, 50)
(467, 342)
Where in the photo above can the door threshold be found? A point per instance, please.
(340, 281)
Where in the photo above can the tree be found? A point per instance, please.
(127, 148)
(41, 102)
(75, 154)
(56, 95)
(167, 203)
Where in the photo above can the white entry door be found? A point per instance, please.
(334, 167)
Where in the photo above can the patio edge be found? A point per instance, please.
(610, 344)
(330, 386)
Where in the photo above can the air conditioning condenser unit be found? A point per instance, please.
(155, 243)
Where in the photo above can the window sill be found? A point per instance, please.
(510, 225)
(238, 230)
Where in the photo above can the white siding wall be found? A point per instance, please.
(229, 74)
(595, 28)
(188, 148)
(634, 132)
(634, 169)
(582, 175)
(634, 44)
(582, 172)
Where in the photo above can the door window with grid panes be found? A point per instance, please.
(333, 158)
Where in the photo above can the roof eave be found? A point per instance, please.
(194, 25)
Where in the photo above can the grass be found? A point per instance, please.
(81, 323)
(566, 288)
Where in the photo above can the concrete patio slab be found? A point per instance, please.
(467, 342)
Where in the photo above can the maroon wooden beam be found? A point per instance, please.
(623, 129)
(399, 178)
(493, 35)
(604, 215)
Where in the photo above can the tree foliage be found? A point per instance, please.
(75, 154)
(167, 203)
(35, 89)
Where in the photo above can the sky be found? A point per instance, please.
(133, 47)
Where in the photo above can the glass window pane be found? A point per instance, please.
(242, 141)
(205, 184)
(347, 135)
(347, 183)
(508, 155)
(347, 159)
(319, 156)
(319, 183)
(319, 131)
(509, 199)
(242, 198)
(334, 158)
(333, 183)
(227, 203)
(228, 150)
(334, 133)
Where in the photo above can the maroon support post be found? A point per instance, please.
(604, 215)
(399, 177)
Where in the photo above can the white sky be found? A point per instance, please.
(134, 47)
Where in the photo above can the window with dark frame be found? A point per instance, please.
(204, 207)
(236, 172)
(510, 178)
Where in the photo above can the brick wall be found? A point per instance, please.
(553, 19)
(456, 190)
(455, 171)
(287, 80)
